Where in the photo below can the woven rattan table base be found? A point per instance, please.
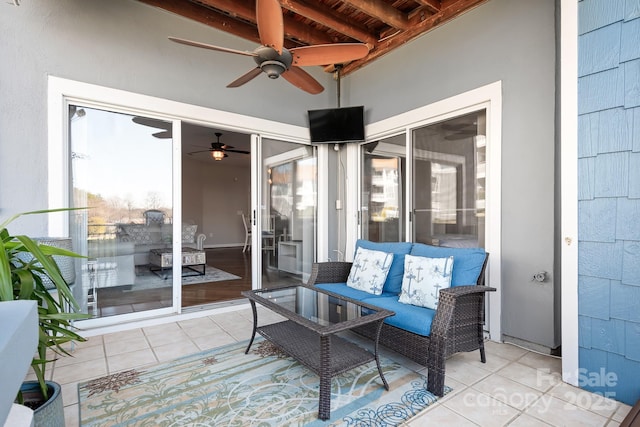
(304, 345)
(315, 344)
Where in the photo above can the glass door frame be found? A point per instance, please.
(487, 97)
(62, 92)
(258, 191)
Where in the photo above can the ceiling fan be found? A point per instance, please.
(218, 149)
(274, 59)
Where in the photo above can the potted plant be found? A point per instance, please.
(23, 264)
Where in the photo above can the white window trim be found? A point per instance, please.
(488, 97)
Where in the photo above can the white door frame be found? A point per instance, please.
(488, 97)
(569, 188)
(62, 91)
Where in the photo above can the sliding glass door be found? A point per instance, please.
(121, 170)
(382, 192)
(285, 220)
(449, 182)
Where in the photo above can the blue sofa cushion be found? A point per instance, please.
(393, 284)
(467, 261)
(408, 317)
(347, 291)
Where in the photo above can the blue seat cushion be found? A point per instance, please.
(393, 284)
(467, 262)
(347, 291)
(408, 317)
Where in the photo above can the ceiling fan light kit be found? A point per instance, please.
(218, 155)
(275, 60)
(219, 150)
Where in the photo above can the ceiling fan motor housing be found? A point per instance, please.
(271, 62)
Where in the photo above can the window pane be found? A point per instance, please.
(121, 169)
(288, 205)
(382, 210)
(450, 155)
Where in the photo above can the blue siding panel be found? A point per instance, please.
(631, 264)
(609, 170)
(593, 14)
(632, 340)
(601, 91)
(614, 135)
(584, 331)
(635, 125)
(602, 260)
(628, 219)
(608, 335)
(593, 297)
(586, 178)
(632, 84)
(597, 220)
(591, 360)
(599, 50)
(612, 175)
(634, 177)
(625, 301)
(625, 388)
(588, 134)
(632, 10)
(630, 41)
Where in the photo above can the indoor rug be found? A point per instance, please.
(145, 278)
(225, 387)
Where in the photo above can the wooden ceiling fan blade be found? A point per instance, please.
(200, 151)
(154, 123)
(245, 78)
(238, 151)
(270, 23)
(324, 54)
(302, 80)
(164, 134)
(211, 47)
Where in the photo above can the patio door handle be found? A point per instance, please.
(254, 217)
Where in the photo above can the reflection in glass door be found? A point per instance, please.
(287, 218)
(121, 168)
(382, 198)
(449, 182)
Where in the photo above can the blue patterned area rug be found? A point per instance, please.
(225, 387)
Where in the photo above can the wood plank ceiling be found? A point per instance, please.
(383, 25)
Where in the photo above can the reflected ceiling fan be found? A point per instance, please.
(219, 150)
(274, 59)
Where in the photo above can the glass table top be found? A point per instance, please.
(315, 306)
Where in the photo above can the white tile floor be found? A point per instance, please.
(516, 387)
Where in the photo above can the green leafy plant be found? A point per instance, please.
(21, 279)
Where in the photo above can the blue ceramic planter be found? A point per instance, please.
(51, 414)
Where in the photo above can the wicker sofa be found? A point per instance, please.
(424, 335)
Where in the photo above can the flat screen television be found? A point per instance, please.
(331, 125)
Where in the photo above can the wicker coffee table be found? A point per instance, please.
(309, 333)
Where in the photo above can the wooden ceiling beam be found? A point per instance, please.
(455, 8)
(330, 19)
(381, 11)
(208, 17)
(294, 30)
(298, 33)
(434, 5)
(242, 9)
